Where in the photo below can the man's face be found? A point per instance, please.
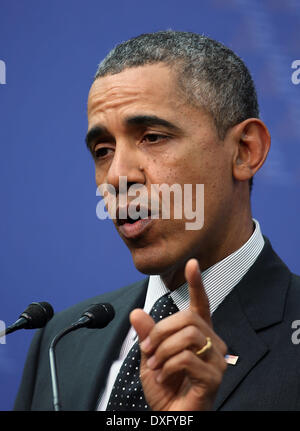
(143, 129)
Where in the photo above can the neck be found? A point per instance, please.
(225, 243)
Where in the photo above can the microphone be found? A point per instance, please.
(36, 315)
(96, 316)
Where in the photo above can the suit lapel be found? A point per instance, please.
(257, 302)
(231, 324)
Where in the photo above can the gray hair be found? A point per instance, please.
(210, 75)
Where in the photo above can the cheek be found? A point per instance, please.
(100, 175)
(170, 168)
(98, 178)
(176, 170)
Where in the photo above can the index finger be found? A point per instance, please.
(198, 299)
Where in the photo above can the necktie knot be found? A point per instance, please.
(163, 307)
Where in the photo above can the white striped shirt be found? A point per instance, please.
(218, 281)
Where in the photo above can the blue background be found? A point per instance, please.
(52, 246)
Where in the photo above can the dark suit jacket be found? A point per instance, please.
(254, 320)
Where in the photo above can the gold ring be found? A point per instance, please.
(205, 348)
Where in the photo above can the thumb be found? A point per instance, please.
(142, 323)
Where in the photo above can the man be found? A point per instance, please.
(179, 108)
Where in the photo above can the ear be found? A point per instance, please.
(252, 140)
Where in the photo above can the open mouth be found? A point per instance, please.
(131, 215)
(133, 227)
(128, 220)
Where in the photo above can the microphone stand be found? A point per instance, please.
(53, 369)
(97, 316)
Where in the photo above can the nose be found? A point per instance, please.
(126, 163)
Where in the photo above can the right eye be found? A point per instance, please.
(102, 152)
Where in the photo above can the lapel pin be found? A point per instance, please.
(231, 359)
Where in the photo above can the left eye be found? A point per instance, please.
(154, 137)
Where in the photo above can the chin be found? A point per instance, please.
(149, 267)
(152, 262)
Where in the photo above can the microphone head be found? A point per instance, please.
(37, 314)
(99, 315)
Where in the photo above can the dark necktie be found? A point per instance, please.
(127, 393)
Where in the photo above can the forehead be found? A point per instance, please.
(150, 85)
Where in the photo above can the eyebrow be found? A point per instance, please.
(151, 120)
(138, 120)
(95, 133)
